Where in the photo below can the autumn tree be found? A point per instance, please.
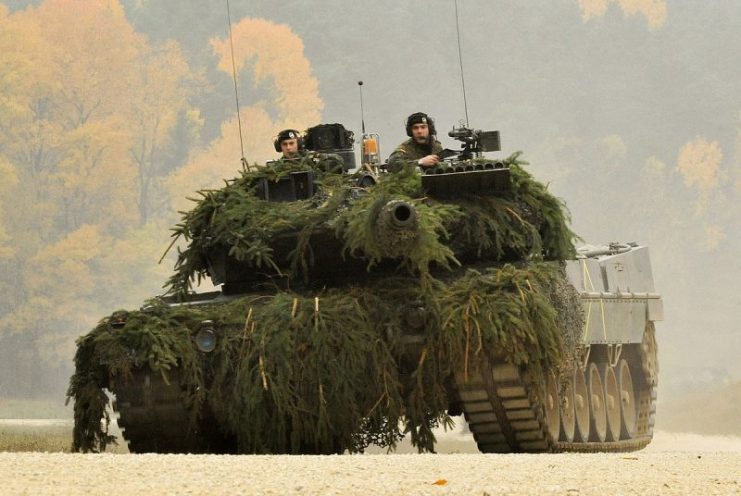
(267, 56)
(92, 118)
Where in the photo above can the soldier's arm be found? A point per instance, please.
(399, 158)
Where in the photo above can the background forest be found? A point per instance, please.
(113, 112)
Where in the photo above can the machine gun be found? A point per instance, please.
(463, 176)
(475, 142)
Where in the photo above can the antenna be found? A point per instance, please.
(460, 60)
(362, 115)
(234, 77)
(370, 149)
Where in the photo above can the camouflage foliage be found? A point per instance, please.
(329, 368)
(324, 369)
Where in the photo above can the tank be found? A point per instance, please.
(357, 308)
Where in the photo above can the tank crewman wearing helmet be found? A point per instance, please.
(422, 147)
(289, 143)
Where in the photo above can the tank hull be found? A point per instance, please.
(604, 401)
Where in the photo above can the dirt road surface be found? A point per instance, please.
(673, 464)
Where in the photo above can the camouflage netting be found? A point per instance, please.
(330, 369)
(328, 365)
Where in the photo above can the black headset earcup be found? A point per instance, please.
(276, 144)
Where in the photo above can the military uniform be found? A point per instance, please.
(411, 151)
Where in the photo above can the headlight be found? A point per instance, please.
(205, 337)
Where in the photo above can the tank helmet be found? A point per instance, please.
(287, 134)
(420, 118)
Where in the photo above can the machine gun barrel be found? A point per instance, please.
(475, 141)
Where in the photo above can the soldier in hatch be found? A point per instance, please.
(421, 148)
(290, 143)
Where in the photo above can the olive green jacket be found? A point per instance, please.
(411, 151)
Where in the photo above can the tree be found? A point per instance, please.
(273, 56)
(92, 118)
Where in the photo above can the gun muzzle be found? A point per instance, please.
(400, 214)
(396, 227)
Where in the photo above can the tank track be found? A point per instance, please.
(505, 414)
(152, 414)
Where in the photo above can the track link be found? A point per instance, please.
(505, 415)
(152, 414)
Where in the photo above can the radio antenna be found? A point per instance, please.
(362, 115)
(460, 60)
(234, 77)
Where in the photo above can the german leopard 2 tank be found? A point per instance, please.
(357, 308)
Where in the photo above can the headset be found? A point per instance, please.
(420, 118)
(288, 134)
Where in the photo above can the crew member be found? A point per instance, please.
(288, 142)
(291, 144)
(422, 147)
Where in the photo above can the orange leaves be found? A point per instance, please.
(275, 58)
(8, 179)
(653, 10)
(91, 49)
(275, 54)
(87, 111)
(699, 162)
(93, 113)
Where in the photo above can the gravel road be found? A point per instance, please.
(673, 464)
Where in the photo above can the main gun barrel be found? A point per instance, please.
(396, 227)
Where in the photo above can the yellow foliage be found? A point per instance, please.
(87, 108)
(714, 235)
(8, 175)
(8, 179)
(86, 274)
(653, 10)
(737, 161)
(699, 164)
(91, 114)
(593, 8)
(62, 268)
(653, 170)
(275, 55)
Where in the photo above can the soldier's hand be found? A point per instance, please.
(428, 161)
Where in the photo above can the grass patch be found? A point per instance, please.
(25, 438)
(54, 437)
